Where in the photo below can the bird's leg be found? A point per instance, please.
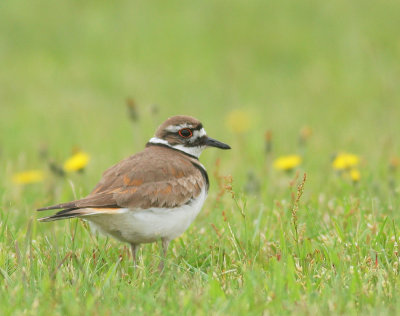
(134, 249)
(164, 243)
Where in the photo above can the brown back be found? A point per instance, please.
(158, 176)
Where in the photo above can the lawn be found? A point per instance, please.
(271, 78)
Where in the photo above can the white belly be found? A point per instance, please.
(142, 226)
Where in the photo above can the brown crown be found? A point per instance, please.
(177, 120)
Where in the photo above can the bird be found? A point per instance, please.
(152, 195)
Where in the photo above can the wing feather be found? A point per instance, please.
(168, 181)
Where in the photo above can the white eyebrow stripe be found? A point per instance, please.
(175, 128)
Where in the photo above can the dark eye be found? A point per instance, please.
(185, 133)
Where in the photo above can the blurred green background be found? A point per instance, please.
(68, 67)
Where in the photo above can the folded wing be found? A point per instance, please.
(151, 178)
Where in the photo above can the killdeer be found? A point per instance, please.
(152, 195)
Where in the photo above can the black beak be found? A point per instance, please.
(211, 142)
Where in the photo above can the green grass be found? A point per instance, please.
(67, 68)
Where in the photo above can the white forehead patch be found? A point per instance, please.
(200, 133)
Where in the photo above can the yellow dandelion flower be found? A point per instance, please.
(355, 175)
(345, 161)
(76, 162)
(288, 162)
(238, 121)
(29, 176)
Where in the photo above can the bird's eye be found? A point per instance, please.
(185, 132)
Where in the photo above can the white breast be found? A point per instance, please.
(142, 226)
